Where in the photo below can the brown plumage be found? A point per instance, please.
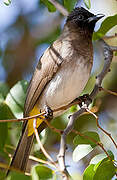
(60, 76)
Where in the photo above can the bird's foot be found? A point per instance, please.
(48, 113)
(84, 98)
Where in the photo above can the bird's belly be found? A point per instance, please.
(65, 86)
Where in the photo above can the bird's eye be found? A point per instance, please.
(80, 17)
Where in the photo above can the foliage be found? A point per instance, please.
(7, 2)
(49, 5)
(106, 25)
(87, 3)
(12, 105)
(100, 166)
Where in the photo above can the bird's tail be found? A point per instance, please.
(22, 152)
(21, 155)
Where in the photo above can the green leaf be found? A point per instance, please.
(17, 176)
(74, 108)
(5, 113)
(89, 86)
(4, 89)
(105, 171)
(2, 174)
(16, 98)
(49, 5)
(81, 151)
(103, 160)
(89, 173)
(69, 4)
(98, 158)
(7, 2)
(115, 54)
(41, 172)
(3, 134)
(1, 98)
(87, 3)
(82, 140)
(106, 25)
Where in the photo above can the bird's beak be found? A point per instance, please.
(95, 18)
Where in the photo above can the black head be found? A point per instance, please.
(84, 18)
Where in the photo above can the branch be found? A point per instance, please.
(108, 134)
(65, 175)
(40, 144)
(76, 101)
(110, 37)
(59, 7)
(108, 91)
(108, 55)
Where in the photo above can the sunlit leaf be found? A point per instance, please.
(89, 86)
(1, 98)
(4, 89)
(69, 5)
(105, 171)
(41, 172)
(49, 5)
(82, 140)
(17, 176)
(16, 98)
(5, 113)
(7, 2)
(89, 173)
(81, 151)
(73, 108)
(98, 158)
(106, 25)
(115, 54)
(87, 3)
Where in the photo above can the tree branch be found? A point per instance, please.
(108, 55)
(59, 7)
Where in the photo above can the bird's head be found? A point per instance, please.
(83, 18)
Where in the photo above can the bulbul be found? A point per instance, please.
(59, 78)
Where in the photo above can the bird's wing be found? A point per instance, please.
(47, 66)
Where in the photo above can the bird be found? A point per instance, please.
(59, 77)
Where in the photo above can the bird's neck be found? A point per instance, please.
(73, 32)
(79, 39)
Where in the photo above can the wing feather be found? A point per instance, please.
(46, 68)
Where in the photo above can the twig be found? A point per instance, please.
(41, 161)
(108, 134)
(109, 37)
(52, 127)
(23, 119)
(64, 174)
(59, 7)
(40, 144)
(6, 166)
(76, 101)
(108, 91)
(68, 129)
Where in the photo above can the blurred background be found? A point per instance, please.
(27, 28)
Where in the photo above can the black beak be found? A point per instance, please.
(95, 18)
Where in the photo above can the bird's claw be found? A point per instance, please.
(48, 112)
(84, 98)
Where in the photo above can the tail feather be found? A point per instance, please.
(22, 152)
(21, 155)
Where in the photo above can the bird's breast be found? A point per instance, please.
(67, 84)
